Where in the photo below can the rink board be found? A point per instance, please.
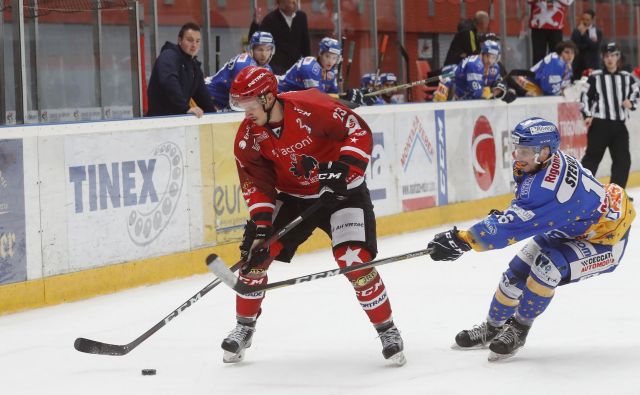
(91, 208)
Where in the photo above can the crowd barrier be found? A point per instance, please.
(91, 208)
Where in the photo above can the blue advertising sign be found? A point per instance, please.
(13, 242)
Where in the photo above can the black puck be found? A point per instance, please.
(148, 372)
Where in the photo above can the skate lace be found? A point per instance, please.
(390, 336)
(510, 335)
(479, 332)
(241, 333)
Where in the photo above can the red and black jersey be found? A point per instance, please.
(316, 129)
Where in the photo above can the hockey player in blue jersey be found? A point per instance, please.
(261, 50)
(313, 72)
(369, 83)
(553, 73)
(389, 80)
(580, 229)
(476, 75)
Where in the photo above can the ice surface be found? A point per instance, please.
(314, 339)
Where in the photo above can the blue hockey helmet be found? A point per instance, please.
(366, 80)
(331, 45)
(537, 133)
(490, 47)
(388, 78)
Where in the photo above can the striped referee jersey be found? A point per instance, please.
(606, 93)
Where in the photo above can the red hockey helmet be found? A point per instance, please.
(251, 83)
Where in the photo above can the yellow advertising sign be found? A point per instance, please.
(225, 210)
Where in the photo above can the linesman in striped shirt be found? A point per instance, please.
(606, 104)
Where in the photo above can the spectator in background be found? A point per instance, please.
(290, 32)
(467, 40)
(588, 39)
(177, 78)
(546, 22)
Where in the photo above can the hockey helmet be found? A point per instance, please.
(536, 133)
(250, 84)
(366, 80)
(331, 45)
(490, 47)
(388, 78)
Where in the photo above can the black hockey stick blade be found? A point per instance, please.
(218, 268)
(95, 347)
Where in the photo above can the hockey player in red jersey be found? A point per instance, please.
(291, 150)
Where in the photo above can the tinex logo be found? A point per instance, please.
(133, 184)
(483, 153)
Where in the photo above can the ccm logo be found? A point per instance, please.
(329, 176)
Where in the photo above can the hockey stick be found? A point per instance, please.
(95, 347)
(405, 56)
(343, 41)
(408, 85)
(383, 49)
(218, 267)
(217, 53)
(352, 47)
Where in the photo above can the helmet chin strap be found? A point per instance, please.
(263, 101)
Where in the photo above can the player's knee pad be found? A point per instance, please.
(512, 284)
(545, 271)
(352, 255)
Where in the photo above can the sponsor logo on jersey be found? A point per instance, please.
(524, 215)
(483, 153)
(552, 174)
(297, 146)
(489, 226)
(591, 266)
(525, 187)
(354, 126)
(570, 180)
(582, 248)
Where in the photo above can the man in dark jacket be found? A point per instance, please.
(290, 33)
(467, 40)
(177, 77)
(588, 39)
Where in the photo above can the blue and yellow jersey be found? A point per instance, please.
(552, 74)
(563, 201)
(308, 73)
(470, 78)
(220, 83)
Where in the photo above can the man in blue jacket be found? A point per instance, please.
(177, 77)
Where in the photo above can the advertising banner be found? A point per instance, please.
(229, 206)
(13, 243)
(478, 163)
(416, 164)
(125, 195)
(380, 172)
(573, 132)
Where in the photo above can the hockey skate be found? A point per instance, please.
(392, 344)
(476, 338)
(237, 342)
(508, 341)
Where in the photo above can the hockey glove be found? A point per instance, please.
(446, 246)
(333, 182)
(354, 96)
(250, 251)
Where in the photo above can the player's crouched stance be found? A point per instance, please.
(580, 230)
(291, 150)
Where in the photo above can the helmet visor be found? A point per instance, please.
(243, 104)
(523, 153)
